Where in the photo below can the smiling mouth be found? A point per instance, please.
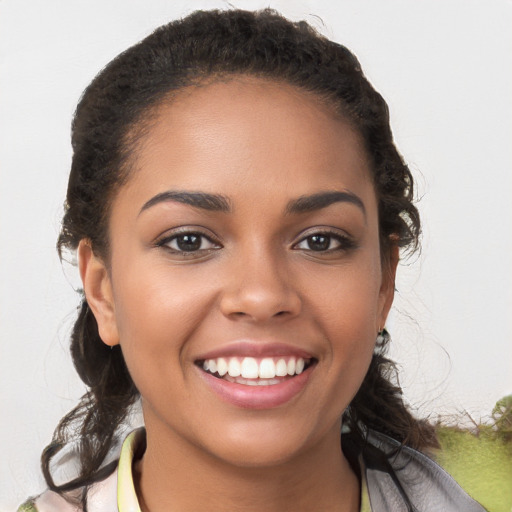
(251, 371)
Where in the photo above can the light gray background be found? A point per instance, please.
(444, 68)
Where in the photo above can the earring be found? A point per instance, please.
(382, 336)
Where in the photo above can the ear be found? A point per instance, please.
(98, 292)
(387, 288)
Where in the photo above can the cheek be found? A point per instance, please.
(347, 312)
(155, 315)
(154, 325)
(346, 299)
(352, 341)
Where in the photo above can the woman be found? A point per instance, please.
(238, 207)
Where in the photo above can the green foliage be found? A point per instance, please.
(481, 461)
(502, 416)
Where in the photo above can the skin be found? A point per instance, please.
(260, 145)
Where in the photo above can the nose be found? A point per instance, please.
(260, 288)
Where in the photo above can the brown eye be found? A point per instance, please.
(325, 242)
(318, 242)
(188, 243)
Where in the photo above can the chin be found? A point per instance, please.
(266, 445)
(265, 455)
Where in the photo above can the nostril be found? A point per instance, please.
(259, 303)
(243, 314)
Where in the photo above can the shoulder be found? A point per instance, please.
(397, 475)
(101, 497)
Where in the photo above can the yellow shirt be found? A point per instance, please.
(119, 486)
(126, 496)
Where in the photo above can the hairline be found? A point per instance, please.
(136, 134)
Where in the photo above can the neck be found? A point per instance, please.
(174, 476)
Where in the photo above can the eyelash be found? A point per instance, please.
(344, 242)
(167, 240)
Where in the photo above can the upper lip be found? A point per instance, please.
(246, 348)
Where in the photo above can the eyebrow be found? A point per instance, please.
(305, 204)
(210, 202)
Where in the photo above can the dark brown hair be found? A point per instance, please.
(110, 118)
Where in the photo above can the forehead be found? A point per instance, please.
(249, 134)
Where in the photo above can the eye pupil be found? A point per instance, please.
(319, 242)
(188, 242)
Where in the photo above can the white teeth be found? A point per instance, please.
(281, 368)
(268, 382)
(262, 372)
(222, 366)
(249, 368)
(212, 365)
(252, 382)
(267, 369)
(291, 366)
(234, 367)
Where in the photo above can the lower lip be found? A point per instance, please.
(257, 397)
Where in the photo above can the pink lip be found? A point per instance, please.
(257, 397)
(254, 349)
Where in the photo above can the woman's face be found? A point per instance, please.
(246, 240)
